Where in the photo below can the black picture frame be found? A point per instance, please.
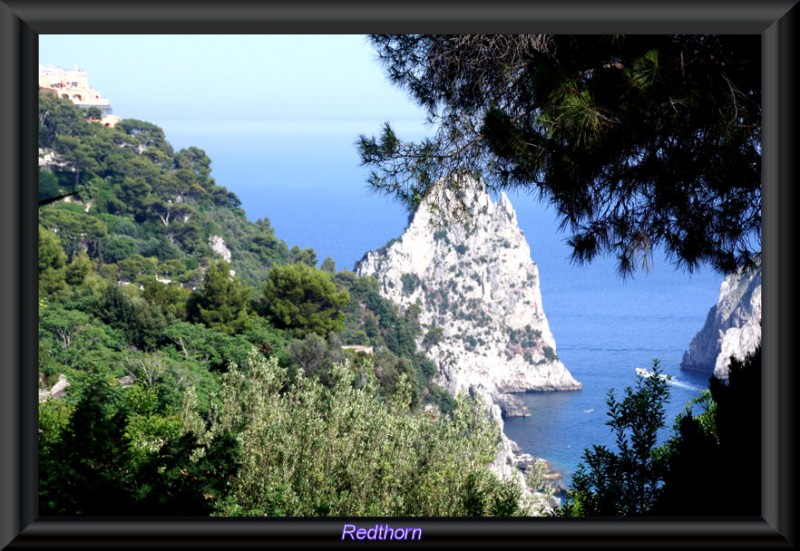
(21, 21)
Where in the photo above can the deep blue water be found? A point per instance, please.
(604, 327)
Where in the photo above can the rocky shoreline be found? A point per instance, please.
(511, 405)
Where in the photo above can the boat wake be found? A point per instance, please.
(672, 381)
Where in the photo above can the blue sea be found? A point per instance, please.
(315, 195)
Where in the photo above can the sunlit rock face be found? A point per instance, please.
(480, 302)
(219, 247)
(732, 328)
(478, 293)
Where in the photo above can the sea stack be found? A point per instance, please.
(480, 303)
(478, 292)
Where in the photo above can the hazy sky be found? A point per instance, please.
(273, 87)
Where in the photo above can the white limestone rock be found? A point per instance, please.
(480, 304)
(477, 286)
(219, 247)
(59, 389)
(732, 328)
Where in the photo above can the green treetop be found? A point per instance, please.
(222, 301)
(303, 299)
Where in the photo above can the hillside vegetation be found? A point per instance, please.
(211, 369)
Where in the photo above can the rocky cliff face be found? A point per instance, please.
(478, 291)
(480, 304)
(733, 326)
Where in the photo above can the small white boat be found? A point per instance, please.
(642, 372)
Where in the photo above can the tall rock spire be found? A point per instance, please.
(480, 305)
(478, 292)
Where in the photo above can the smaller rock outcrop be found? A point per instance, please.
(59, 389)
(732, 328)
(510, 405)
(219, 247)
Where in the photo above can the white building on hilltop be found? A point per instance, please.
(74, 86)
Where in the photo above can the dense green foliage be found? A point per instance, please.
(640, 142)
(198, 386)
(637, 140)
(141, 208)
(375, 321)
(309, 450)
(117, 454)
(269, 387)
(303, 299)
(711, 466)
(222, 302)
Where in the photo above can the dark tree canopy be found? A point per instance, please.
(719, 450)
(303, 299)
(222, 302)
(638, 141)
